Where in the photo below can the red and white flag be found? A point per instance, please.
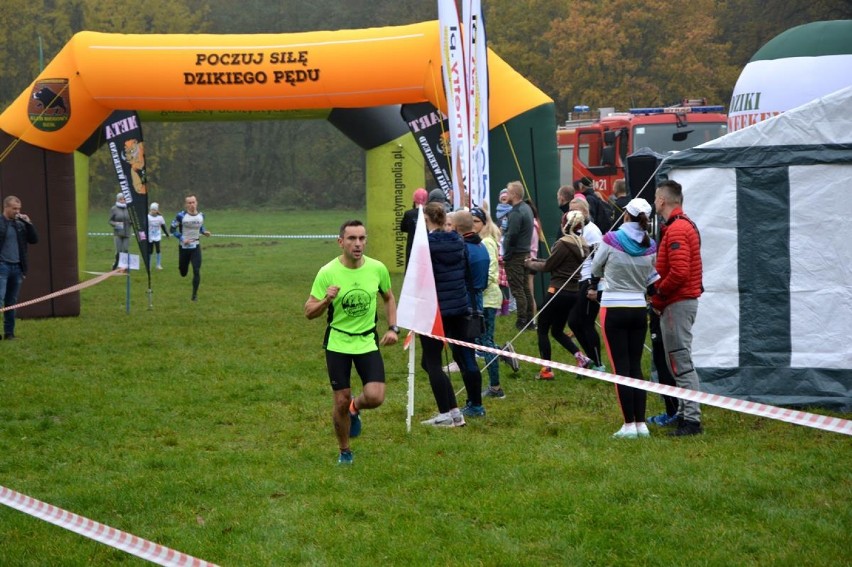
(418, 301)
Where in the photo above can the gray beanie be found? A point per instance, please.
(437, 196)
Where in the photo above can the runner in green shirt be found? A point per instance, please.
(346, 288)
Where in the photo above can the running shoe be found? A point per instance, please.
(354, 425)
(662, 420)
(545, 373)
(627, 431)
(687, 428)
(441, 420)
(510, 360)
(470, 410)
(583, 361)
(642, 429)
(458, 417)
(345, 458)
(494, 393)
(354, 419)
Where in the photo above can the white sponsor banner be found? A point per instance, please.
(767, 88)
(455, 89)
(476, 52)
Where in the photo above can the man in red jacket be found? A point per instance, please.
(676, 297)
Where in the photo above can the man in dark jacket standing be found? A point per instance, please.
(676, 297)
(516, 249)
(16, 232)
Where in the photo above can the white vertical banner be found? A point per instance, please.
(476, 64)
(456, 91)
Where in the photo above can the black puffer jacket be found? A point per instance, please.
(449, 265)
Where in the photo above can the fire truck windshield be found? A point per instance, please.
(663, 138)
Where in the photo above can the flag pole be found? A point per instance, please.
(127, 298)
(411, 362)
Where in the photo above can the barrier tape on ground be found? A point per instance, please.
(150, 551)
(265, 236)
(816, 421)
(67, 290)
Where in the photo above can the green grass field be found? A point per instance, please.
(206, 427)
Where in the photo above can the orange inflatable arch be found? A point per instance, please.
(190, 73)
(213, 77)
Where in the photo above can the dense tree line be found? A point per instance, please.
(617, 53)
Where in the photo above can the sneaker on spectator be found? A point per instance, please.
(599, 367)
(510, 360)
(494, 393)
(470, 410)
(662, 420)
(458, 417)
(451, 367)
(345, 458)
(642, 429)
(440, 420)
(686, 428)
(545, 373)
(627, 431)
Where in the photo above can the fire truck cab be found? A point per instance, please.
(595, 145)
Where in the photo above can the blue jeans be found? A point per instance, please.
(10, 284)
(487, 339)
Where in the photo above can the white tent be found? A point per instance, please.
(774, 208)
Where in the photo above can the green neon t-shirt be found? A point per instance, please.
(352, 314)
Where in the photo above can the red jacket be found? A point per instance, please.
(678, 262)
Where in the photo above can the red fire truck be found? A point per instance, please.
(595, 144)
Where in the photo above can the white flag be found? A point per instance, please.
(476, 64)
(418, 302)
(456, 91)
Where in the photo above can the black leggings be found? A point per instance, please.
(581, 320)
(187, 256)
(552, 319)
(624, 330)
(465, 357)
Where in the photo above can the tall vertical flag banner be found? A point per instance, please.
(123, 134)
(455, 89)
(476, 64)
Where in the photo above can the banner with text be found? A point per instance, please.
(429, 128)
(123, 133)
(476, 65)
(455, 89)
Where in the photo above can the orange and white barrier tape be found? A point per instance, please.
(67, 290)
(826, 423)
(104, 534)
